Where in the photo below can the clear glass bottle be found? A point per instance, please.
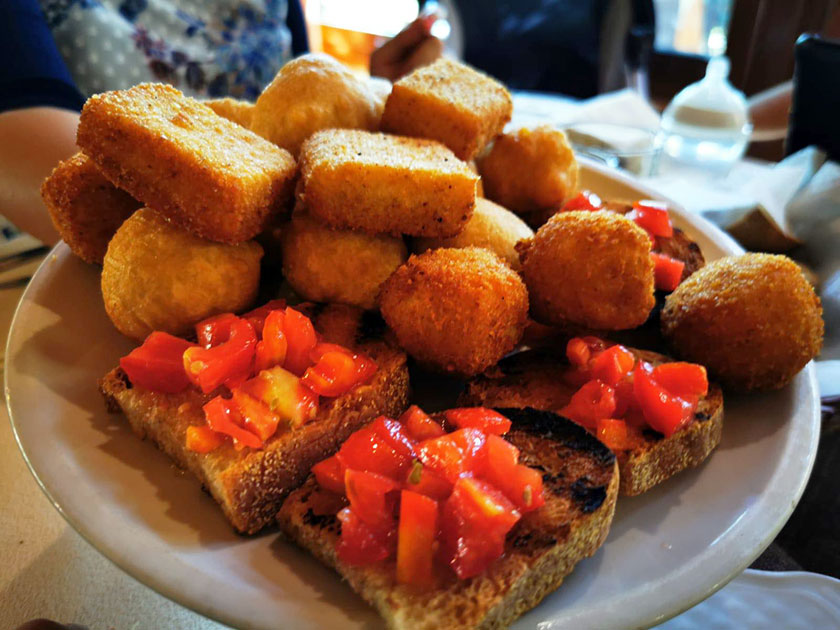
(707, 124)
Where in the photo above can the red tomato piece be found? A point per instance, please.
(415, 539)
(613, 364)
(158, 364)
(209, 368)
(613, 433)
(519, 483)
(454, 453)
(475, 519)
(625, 399)
(365, 366)
(214, 330)
(366, 450)
(667, 271)
(361, 544)
(369, 496)
(420, 425)
(203, 439)
(395, 436)
(271, 349)
(593, 401)
(284, 394)
(333, 375)
(258, 315)
(256, 416)
(486, 420)
(663, 411)
(585, 200)
(221, 416)
(578, 353)
(653, 217)
(426, 481)
(301, 339)
(686, 380)
(329, 474)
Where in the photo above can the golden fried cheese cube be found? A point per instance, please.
(233, 109)
(450, 102)
(85, 208)
(205, 173)
(385, 184)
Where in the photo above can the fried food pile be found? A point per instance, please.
(339, 178)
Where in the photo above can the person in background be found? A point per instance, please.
(58, 53)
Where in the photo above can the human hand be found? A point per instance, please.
(409, 49)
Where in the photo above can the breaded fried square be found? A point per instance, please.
(176, 155)
(233, 109)
(450, 102)
(385, 184)
(86, 208)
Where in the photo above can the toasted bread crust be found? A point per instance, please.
(531, 379)
(581, 484)
(251, 484)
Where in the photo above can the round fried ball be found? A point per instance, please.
(311, 93)
(157, 276)
(326, 265)
(592, 269)
(491, 227)
(754, 320)
(456, 310)
(529, 170)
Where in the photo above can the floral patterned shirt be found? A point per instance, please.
(205, 48)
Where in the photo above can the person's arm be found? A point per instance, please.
(32, 141)
(411, 48)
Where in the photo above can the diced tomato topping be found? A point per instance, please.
(625, 398)
(301, 339)
(667, 271)
(686, 380)
(203, 439)
(214, 330)
(330, 474)
(271, 349)
(415, 539)
(158, 364)
(420, 425)
(284, 394)
(521, 484)
(581, 350)
(613, 433)
(663, 411)
(256, 415)
(360, 543)
(426, 481)
(454, 453)
(482, 418)
(333, 374)
(258, 315)
(209, 368)
(613, 364)
(368, 495)
(475, 520)
(395, 436)
(366, 450)
(653, 217)
(593, 401)
(585, 200)
(222, 416)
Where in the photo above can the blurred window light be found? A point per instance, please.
(692, 26)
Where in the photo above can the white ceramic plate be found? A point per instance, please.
(758, 600)
(667, 549)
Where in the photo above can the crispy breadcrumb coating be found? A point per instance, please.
(330, 265)
(592, 269)
(529, 170)
(233, 109)
(754, 320)
(157, 276)
(456, 310)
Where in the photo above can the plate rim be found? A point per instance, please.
(206, 606)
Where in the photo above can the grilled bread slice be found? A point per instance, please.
(532, 379)
(251, 484)
(580, 479)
